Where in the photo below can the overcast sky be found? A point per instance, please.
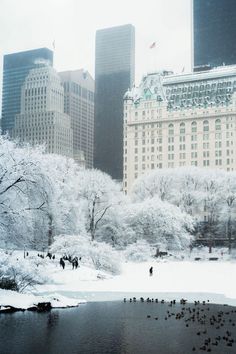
(29, 24)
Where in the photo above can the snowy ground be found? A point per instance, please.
(191, 279)
(174, 277)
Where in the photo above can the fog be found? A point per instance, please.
(29, 24)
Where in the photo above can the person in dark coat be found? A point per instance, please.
(62, 263)
(151, 271)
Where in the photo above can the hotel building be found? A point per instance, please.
(180, 120)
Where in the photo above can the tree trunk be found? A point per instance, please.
(92, 221)
(50, 230)
(229, 234)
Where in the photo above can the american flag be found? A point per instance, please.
(153, 45)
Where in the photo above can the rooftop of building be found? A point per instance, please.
(213, 87)
(80, 76)
(28, 57)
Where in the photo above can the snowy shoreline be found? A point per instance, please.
(12, 301)
(171, 280)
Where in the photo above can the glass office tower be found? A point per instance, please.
(16, 67)
(114, 74)
(214, 32)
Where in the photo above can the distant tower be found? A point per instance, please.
(42, 118)
(114, 74)
(214, 32)
(79, 104)
(16, 67)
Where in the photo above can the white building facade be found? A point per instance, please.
(180, 120)
(42, 119)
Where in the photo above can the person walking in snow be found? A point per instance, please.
(62, 263)
(76, 263)
(151, 271)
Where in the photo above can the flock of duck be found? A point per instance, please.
(223, 323)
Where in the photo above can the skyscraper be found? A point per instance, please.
(42, 119)
(114, 74)
(214, 31)
(16, 67)
(79, 104)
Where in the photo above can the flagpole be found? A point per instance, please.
(153, 57)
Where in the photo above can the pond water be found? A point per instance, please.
(112, 327)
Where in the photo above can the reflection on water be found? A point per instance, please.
(53, 318)
(103, 327)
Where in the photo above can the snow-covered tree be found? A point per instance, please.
(98, 255)
(98, 193)
(160, 223)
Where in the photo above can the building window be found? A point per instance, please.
(194, 127)
(206, 153)
(218, 144)
(171, 129)
(194, 146)
(205, 126)
(218, 124)
(182, 128)
(193, 163)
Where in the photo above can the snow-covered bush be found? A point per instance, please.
(160, 223)
(94, 254)
(139, 251)
(104, 257)
(22, 273)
